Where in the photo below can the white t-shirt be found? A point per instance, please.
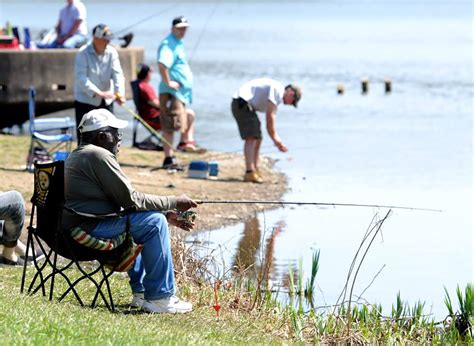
(68, 16)
(258, 92)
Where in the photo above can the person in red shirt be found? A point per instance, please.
(149, 110)
(148, 105)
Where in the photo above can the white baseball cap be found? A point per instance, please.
(102, 31)
(99, 118)
(180, 22)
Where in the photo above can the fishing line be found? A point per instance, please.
(216, 4)
(314, 203)
(148, 18)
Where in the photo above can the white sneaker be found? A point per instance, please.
(137, 300)
(172, 305)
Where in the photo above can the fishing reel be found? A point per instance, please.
(187, 216)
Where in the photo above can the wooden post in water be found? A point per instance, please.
(388, 86)
(340, 89)
(365, 86)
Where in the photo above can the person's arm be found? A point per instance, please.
(58, 28)
(271, 128)
(155, 103)
(119, 189)
(165, 76)
(118, 78)
(71, 32)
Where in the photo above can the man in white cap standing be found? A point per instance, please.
(98, 75)
(95, 183)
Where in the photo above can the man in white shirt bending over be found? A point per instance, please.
(260, 95)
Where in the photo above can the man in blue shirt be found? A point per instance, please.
(175, 88)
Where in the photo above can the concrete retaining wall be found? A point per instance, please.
(51, 72)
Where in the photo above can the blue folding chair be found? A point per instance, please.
(51, 138)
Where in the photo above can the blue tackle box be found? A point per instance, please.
(198, 170)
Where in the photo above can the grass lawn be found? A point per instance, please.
(26, 319)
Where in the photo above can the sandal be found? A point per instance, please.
(190, 147)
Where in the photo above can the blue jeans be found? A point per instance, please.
(12, 213)
(152, 272)
(74, 41)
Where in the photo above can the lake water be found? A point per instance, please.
(412, 147)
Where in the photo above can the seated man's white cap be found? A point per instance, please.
(99, 118)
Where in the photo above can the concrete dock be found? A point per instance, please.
(51, 72)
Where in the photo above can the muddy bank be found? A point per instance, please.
(142, 168)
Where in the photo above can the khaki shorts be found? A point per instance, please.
(247, 120)
(173, 114)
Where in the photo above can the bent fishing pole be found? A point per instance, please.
(143, 122)
(327, 204)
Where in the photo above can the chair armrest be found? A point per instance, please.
(49, 124)
(102, 216)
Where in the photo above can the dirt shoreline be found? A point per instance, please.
(142, 169)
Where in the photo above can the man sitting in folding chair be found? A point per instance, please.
(95, 183)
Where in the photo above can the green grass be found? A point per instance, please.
(35, 320)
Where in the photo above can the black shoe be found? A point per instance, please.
(170, 162)
(8, 262)
(148, 146)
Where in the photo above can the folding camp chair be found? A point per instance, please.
(45, 232)
(152, 142)
(51, 138)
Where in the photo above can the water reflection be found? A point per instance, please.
(253, 255)
(253, 259)
(250, 253)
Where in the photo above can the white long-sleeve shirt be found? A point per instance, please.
(94, 73)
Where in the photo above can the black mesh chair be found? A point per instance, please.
(45, 232)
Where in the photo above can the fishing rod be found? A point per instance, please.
(203, 30)
(143, 122)
(329, 204)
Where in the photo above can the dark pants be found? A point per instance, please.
(83, 108)
(247, 119)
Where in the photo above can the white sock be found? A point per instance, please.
(9, 253)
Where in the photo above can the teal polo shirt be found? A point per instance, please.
(171, 54)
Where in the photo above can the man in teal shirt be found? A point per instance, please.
(175, 88)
